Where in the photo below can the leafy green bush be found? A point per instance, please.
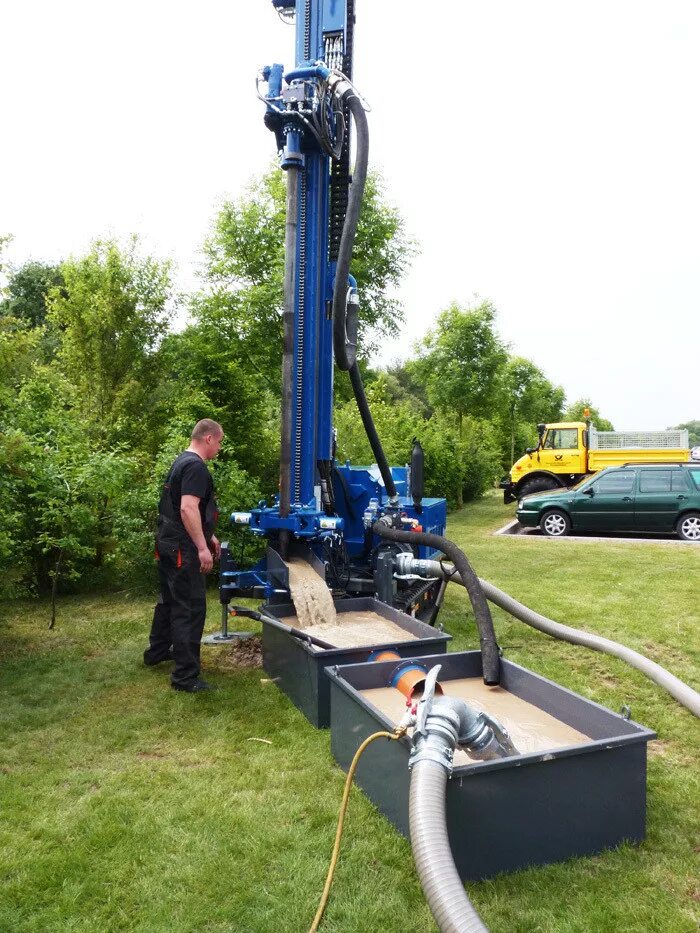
(459, 465)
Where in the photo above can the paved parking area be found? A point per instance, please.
(515, 529)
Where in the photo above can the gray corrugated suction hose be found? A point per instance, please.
(443, 889)
(680, 691)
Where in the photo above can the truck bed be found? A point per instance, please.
(600, 459)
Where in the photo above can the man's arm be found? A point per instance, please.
(192, 520)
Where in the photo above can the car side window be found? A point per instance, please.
(614, 483)
(696, 477)
(678, 482)
(562, 439)
(655, 481)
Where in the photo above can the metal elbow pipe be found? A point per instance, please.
(459, 724)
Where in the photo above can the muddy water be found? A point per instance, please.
(356, 629)
(531, 728)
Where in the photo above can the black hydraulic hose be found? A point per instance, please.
(371, 431)
(346, 350)
(490, 660)
(346, 493)
(345, 314)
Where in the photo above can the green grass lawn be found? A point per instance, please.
(128, 806)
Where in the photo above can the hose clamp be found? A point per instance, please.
(435, 748)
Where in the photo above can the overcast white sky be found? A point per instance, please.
(545, 154)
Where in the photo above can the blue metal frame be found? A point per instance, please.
(312, 428)
(320, 25)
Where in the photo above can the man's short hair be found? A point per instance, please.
(204, 427)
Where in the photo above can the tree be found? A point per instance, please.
(220, 386)
(19, 354)
(60, 494)
(5, 240)
(243, 297)
(27, 289)
(576, 412)
(111, 313)
(460, 463)
(460, 361)
(528, 397)
(404, 383)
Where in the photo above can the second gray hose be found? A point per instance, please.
(443, 889)
(679, 690)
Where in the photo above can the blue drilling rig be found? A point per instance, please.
(369, 531)
(327, 510)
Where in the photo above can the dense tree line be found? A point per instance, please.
(98, 390)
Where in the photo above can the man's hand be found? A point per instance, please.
(206, 561)
(215, 547)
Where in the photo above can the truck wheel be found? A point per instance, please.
(688, 527)
(539, 484)
(555, 524)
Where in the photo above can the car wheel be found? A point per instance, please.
(555, 524)
(688, 527)
(539, 484)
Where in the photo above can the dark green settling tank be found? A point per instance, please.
(299, 670)
(578, 787)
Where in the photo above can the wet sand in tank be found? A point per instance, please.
(530, 728)
(316, 614)
(356, 629)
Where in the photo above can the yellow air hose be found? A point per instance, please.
(341, 817)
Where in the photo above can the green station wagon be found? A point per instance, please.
(638, 497)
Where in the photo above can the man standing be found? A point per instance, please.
(185, 549)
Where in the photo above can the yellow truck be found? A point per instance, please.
(569, 451)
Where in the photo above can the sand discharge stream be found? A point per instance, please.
(316, 613)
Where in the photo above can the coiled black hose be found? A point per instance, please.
(490, 659)
(344, 342)
(345, 320)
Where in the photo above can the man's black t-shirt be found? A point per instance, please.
(189, 476)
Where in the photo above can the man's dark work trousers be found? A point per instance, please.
(178, 619)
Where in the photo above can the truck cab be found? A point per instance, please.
(568, 451)
(559, 460)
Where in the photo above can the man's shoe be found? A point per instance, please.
(197, 687)
(168, 657)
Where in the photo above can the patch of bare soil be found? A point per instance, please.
(242, 654)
